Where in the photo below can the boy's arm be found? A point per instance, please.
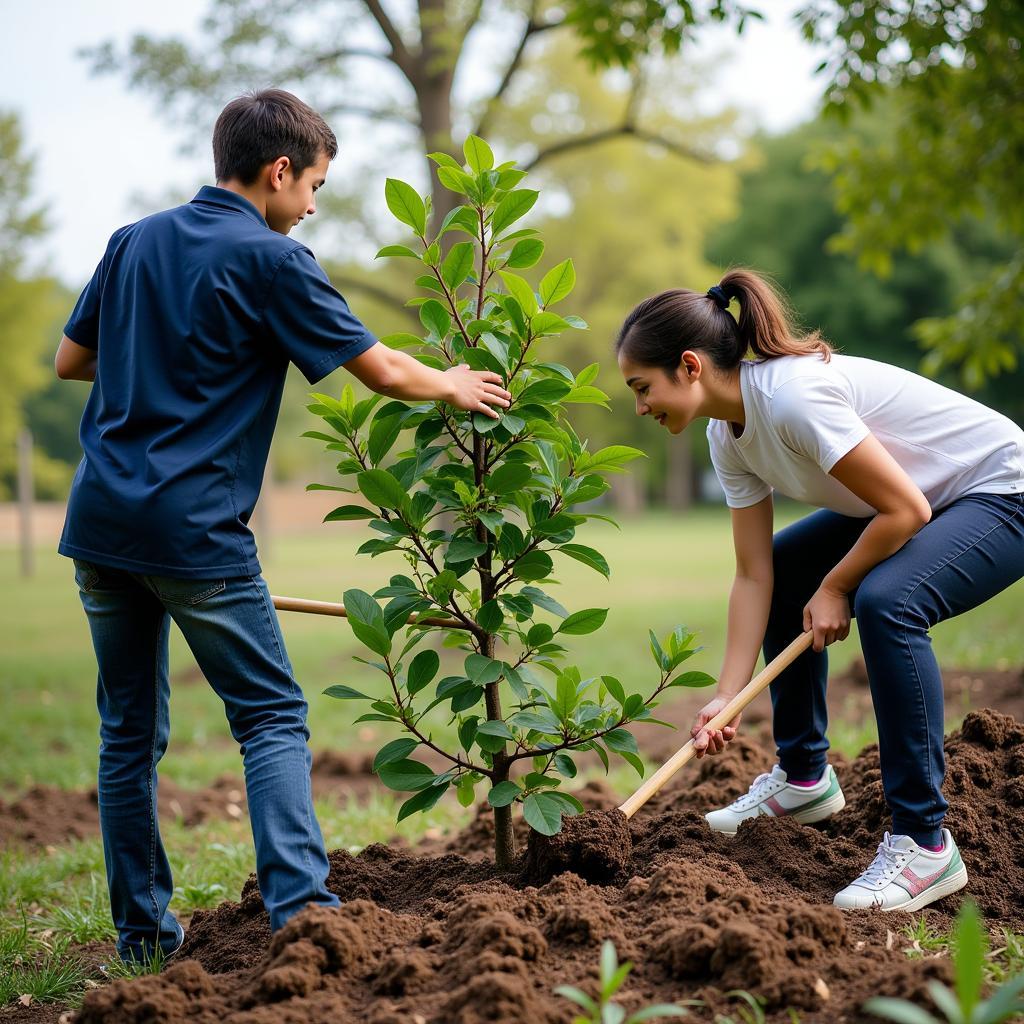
(74, 361)
(396, 374)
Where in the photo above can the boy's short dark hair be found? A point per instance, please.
(257, 128)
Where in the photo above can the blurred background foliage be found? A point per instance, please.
(893, 218)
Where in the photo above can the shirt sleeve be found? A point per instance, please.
(310, 320)
(742, 487)
(83, 327)
(814, 416)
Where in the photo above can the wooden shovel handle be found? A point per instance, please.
(302, 604)
(726, 715)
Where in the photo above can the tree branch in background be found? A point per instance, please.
(400, 53)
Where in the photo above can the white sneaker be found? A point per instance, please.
(773, 796)
(903, 876)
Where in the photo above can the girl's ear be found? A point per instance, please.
(690, 366)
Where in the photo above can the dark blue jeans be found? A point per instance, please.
(231, 627)
(970, 551)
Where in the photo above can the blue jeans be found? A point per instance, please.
(231, 627)
(970, 551)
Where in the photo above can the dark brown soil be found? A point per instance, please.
(448, 940)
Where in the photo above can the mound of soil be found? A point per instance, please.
(444, 938)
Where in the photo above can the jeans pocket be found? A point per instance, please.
(86, 575)
(187, 592)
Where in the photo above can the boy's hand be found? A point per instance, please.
(477, 390)
(713, 742)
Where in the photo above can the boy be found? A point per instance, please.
(187, 328)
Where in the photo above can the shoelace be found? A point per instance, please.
(754, 794)
(888, 861)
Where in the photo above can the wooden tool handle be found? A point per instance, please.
(302, 604)
(726, 715)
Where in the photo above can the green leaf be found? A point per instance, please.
(557, 283)
(422, 801)
(462, 218)
(444, 160)
(490, 617)
(660, 658)
(587, 375)
(621, 741)
(900, 1010)
(346, 512)
(478, 154)
(458, 265)
(503, 794)
(401, 339)
(534, 565)
(495, 727)
(404, 202)
(464, 549)
(970, 941)
(508, 478)
(456, 180)
(405, 775)
(464, 791)
(588, 396)
(543, 814)
(545, 723)
(482, 670)
(545, 601)
(565, 765)
(588, 556)
(694, 679)
(383, 435)
(547, 323)
(658, 1010)
(521, 292)
(342, 692)
(366, 619)
(525, 253)
(608, 460)
(397, 250)
(422, 670)
(586, 621)
(396, 750)
(435, 317)
(381, 488)
(614, 687)
(513, 206)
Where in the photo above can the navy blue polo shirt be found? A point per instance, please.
(195, 314)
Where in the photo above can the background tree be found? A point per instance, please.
(949, 70)
(27, 302)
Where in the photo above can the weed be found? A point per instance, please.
(53, 977)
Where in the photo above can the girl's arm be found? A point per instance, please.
(749, 603)
(871, 473)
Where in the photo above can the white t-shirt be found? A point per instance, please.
(803, 415)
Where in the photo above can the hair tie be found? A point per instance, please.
(718, 294)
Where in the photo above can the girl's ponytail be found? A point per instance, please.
(660, 329)
(765, 324)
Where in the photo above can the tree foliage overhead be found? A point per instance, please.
(952, 70)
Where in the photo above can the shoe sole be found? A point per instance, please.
(808, 817)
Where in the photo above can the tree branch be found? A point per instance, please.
(532, 28)
(607, 134)
(399, 51)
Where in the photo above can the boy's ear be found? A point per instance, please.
(277, 169)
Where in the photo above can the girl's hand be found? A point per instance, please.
(477, 390)
(828, 614)
(713, 741)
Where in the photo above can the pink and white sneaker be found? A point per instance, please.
(771, 795)
(904, 876)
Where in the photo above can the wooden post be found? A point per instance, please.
(26, 499)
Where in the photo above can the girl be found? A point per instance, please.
(921, 497)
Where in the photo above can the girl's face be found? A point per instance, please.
(673, 403)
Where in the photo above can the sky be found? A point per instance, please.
(98, 146)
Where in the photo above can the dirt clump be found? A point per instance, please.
(595, 845)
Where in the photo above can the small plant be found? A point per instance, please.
(752, 1013)
(51, 977)
(962, 1004)
(81, 916)
(495, 499)
(602, 1010)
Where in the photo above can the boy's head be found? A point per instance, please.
(271, 143)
